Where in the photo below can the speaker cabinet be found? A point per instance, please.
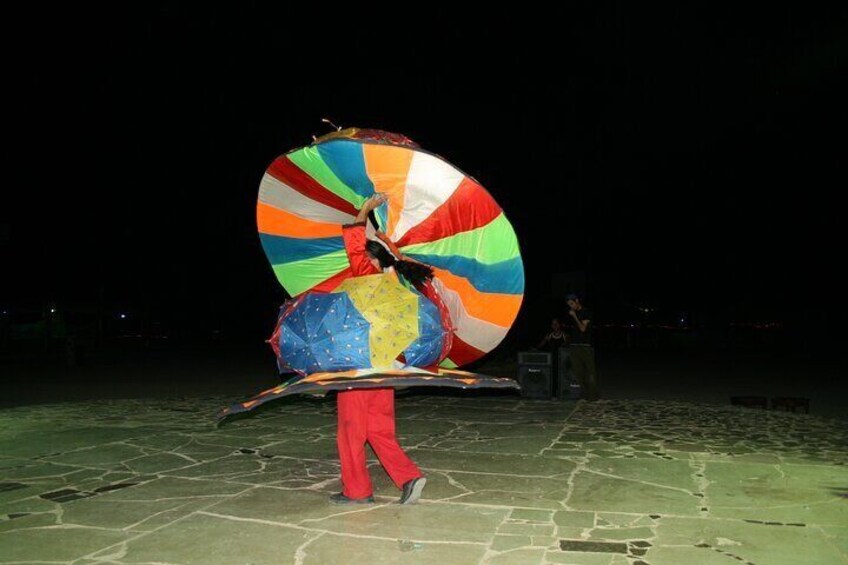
(568, 387)
(535, 381)
(534, 358)
(535, 374)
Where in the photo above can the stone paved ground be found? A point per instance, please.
(509, 481)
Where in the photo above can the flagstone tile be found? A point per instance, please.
(755, 543)
(55, 544)
(203, 539)
(422, 522)
(333, 548)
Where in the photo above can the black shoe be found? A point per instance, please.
(340, 498)
(412, 490)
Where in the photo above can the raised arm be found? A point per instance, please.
(354, 239)
(368, 206)
(581, 324)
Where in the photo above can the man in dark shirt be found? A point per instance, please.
(581, 352)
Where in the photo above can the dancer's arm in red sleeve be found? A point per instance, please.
(354, 239)
(354, 242)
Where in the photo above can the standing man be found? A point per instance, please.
(582, 353)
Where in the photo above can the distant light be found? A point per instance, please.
(52, 310)
(123, 316)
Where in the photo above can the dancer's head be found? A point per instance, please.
(379, 255)
(416, 273)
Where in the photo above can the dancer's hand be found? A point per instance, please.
(374, 201)
(369, 205)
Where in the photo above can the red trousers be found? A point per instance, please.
(369, 415)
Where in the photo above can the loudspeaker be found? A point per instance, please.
(535, 381)
(534, 358)
(568, 385)
(534, 374)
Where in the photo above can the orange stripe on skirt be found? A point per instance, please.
(274, 221)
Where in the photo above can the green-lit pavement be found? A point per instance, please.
(509, 481)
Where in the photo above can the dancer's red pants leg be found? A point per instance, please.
(369, 415)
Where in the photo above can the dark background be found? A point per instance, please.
(686, 160)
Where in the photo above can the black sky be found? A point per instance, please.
(691, 158)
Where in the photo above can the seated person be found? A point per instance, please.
(551, 343)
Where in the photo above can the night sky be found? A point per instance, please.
(687, 159)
